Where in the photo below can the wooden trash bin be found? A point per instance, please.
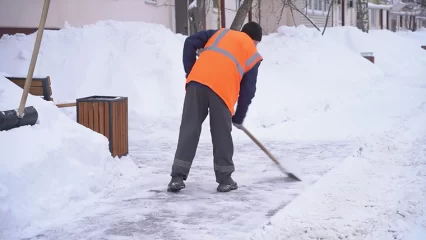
(368, 55)
(107, 115)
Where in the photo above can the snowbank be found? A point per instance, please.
(379, 192)
(49, 166)
(139, 60)
(376, 194)
(302, 78)
(393, 52)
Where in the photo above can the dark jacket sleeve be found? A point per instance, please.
(192, 44)
(247, 92)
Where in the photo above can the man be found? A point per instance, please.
(225, 71)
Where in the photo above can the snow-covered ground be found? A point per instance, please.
(354, 130)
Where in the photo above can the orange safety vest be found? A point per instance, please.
(226, 57)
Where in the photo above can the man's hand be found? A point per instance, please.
(238, 125)
(237, 122)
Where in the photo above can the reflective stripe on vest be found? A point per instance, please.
(214, 47)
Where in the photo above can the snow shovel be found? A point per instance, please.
(289, 174)
(26, 115)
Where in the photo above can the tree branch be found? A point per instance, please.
(303, 14)
(328, 15)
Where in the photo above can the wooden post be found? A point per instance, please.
(108, 116)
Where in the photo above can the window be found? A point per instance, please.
(317, 6)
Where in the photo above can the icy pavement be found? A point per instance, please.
(145, 210)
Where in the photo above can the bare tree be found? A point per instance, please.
(197, 12)
(241, 15)
(195, 15)
(416, 9)
(362, 22)
(294, 6)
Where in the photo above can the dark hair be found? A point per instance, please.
(254, 30)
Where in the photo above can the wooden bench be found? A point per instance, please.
(40, 87)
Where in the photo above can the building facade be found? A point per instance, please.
(24, 15)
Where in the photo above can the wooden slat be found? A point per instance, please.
(119, 123)
(96, 117)
(21, 82)
(90, 113)
(121, 126)
(115, 128)
(85, 115)
(124, 130)
(106, 117)
(102, 118)
(121, 116)
(127, 126)
(80, 113)
(37, 91)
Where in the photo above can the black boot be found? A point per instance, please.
(226, 187)
(176, 184)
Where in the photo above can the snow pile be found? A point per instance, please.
(379, 192)
(375, 194)
(392, 52)
(138, 60)
(49, 166)
(307, 80)
(143, 61)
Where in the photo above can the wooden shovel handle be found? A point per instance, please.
(34, 58)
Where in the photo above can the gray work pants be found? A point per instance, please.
(199, 100)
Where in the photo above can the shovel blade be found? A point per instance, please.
(289, 174)
(9, 119)
(292, 176)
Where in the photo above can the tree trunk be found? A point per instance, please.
(194, 14)
(241, 15)
(362, 15)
